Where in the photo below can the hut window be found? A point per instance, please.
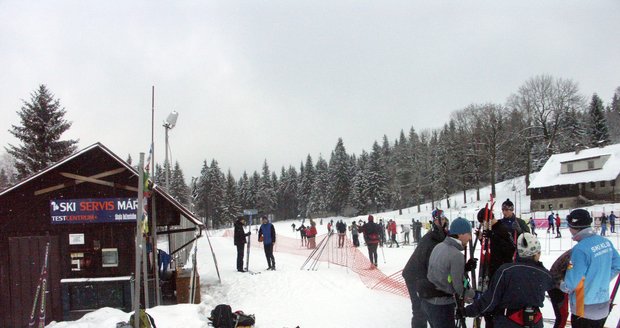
(561, 205)
(592, 185)
(109, 257)
(542, 206)
(602, 183)
(612, 183)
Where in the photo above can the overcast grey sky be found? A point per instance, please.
(277, 80)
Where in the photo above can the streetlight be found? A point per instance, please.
(169, 124)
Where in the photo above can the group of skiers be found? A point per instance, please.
(554, 220)
(512, 282)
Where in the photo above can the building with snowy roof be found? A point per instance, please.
(84, 208)
(581, 178)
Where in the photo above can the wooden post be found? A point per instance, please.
(137, 268)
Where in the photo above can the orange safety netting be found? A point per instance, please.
(327, 250)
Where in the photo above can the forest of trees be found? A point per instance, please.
(481, 144)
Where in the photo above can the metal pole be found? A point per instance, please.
(153, 211)
(166, 165)
(138, 250)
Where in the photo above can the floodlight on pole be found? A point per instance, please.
(169, 124)
(171, 121)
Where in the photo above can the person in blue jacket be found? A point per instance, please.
(594, 262)
(267, 235)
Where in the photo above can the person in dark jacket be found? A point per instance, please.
(240, 241)
(302, 234)
(502, 246)
(341, 228)
(372, 232)
(502, 251)
(416, 269)
(515, 225)
(559, 299)
(517, 291)
(550, 220)
(267, 235)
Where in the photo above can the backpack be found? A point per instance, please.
(244, 320)
(222, 317)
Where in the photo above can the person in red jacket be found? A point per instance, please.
(558, 223)
(311, 234)
(392, 230)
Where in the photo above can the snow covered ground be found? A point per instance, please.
(331, 296)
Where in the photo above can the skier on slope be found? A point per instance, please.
(517, 291)
(267, 235)
(311, 235)
(240, 241)
(341, 228)
(391, 227)
(354, 234)
(372, 232)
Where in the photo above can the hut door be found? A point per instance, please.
(26, 257)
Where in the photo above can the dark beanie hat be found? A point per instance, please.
(579, 219)
(508, 205)
(481, 214)
(370, 218)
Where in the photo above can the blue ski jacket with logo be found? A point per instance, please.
(593, 264)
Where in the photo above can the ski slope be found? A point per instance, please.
(330, 296)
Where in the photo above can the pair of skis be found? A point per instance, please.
(485, 253)
(42, 292)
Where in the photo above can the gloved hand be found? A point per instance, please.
(471, 264)
(248, 233)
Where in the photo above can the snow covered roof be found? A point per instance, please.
(551, 174)
(184, 211)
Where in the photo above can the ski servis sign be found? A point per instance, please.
(93, 210)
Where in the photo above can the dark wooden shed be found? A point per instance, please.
(83, 207)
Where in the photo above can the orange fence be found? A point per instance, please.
(347, 256)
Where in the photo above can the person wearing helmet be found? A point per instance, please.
(517, 291)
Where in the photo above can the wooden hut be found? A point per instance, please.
(85, 207)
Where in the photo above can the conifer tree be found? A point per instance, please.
(231, 208)
(203, 186)
(306, 179)
(360, 196)
(377, 178)
(599, 134)
(266, 195)
(246, 199)
(4, 179)
(178, 188)
(42, 125)
(215, 194)
(318, 203)
(339, 173)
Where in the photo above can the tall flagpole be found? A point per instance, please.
(154, 212)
